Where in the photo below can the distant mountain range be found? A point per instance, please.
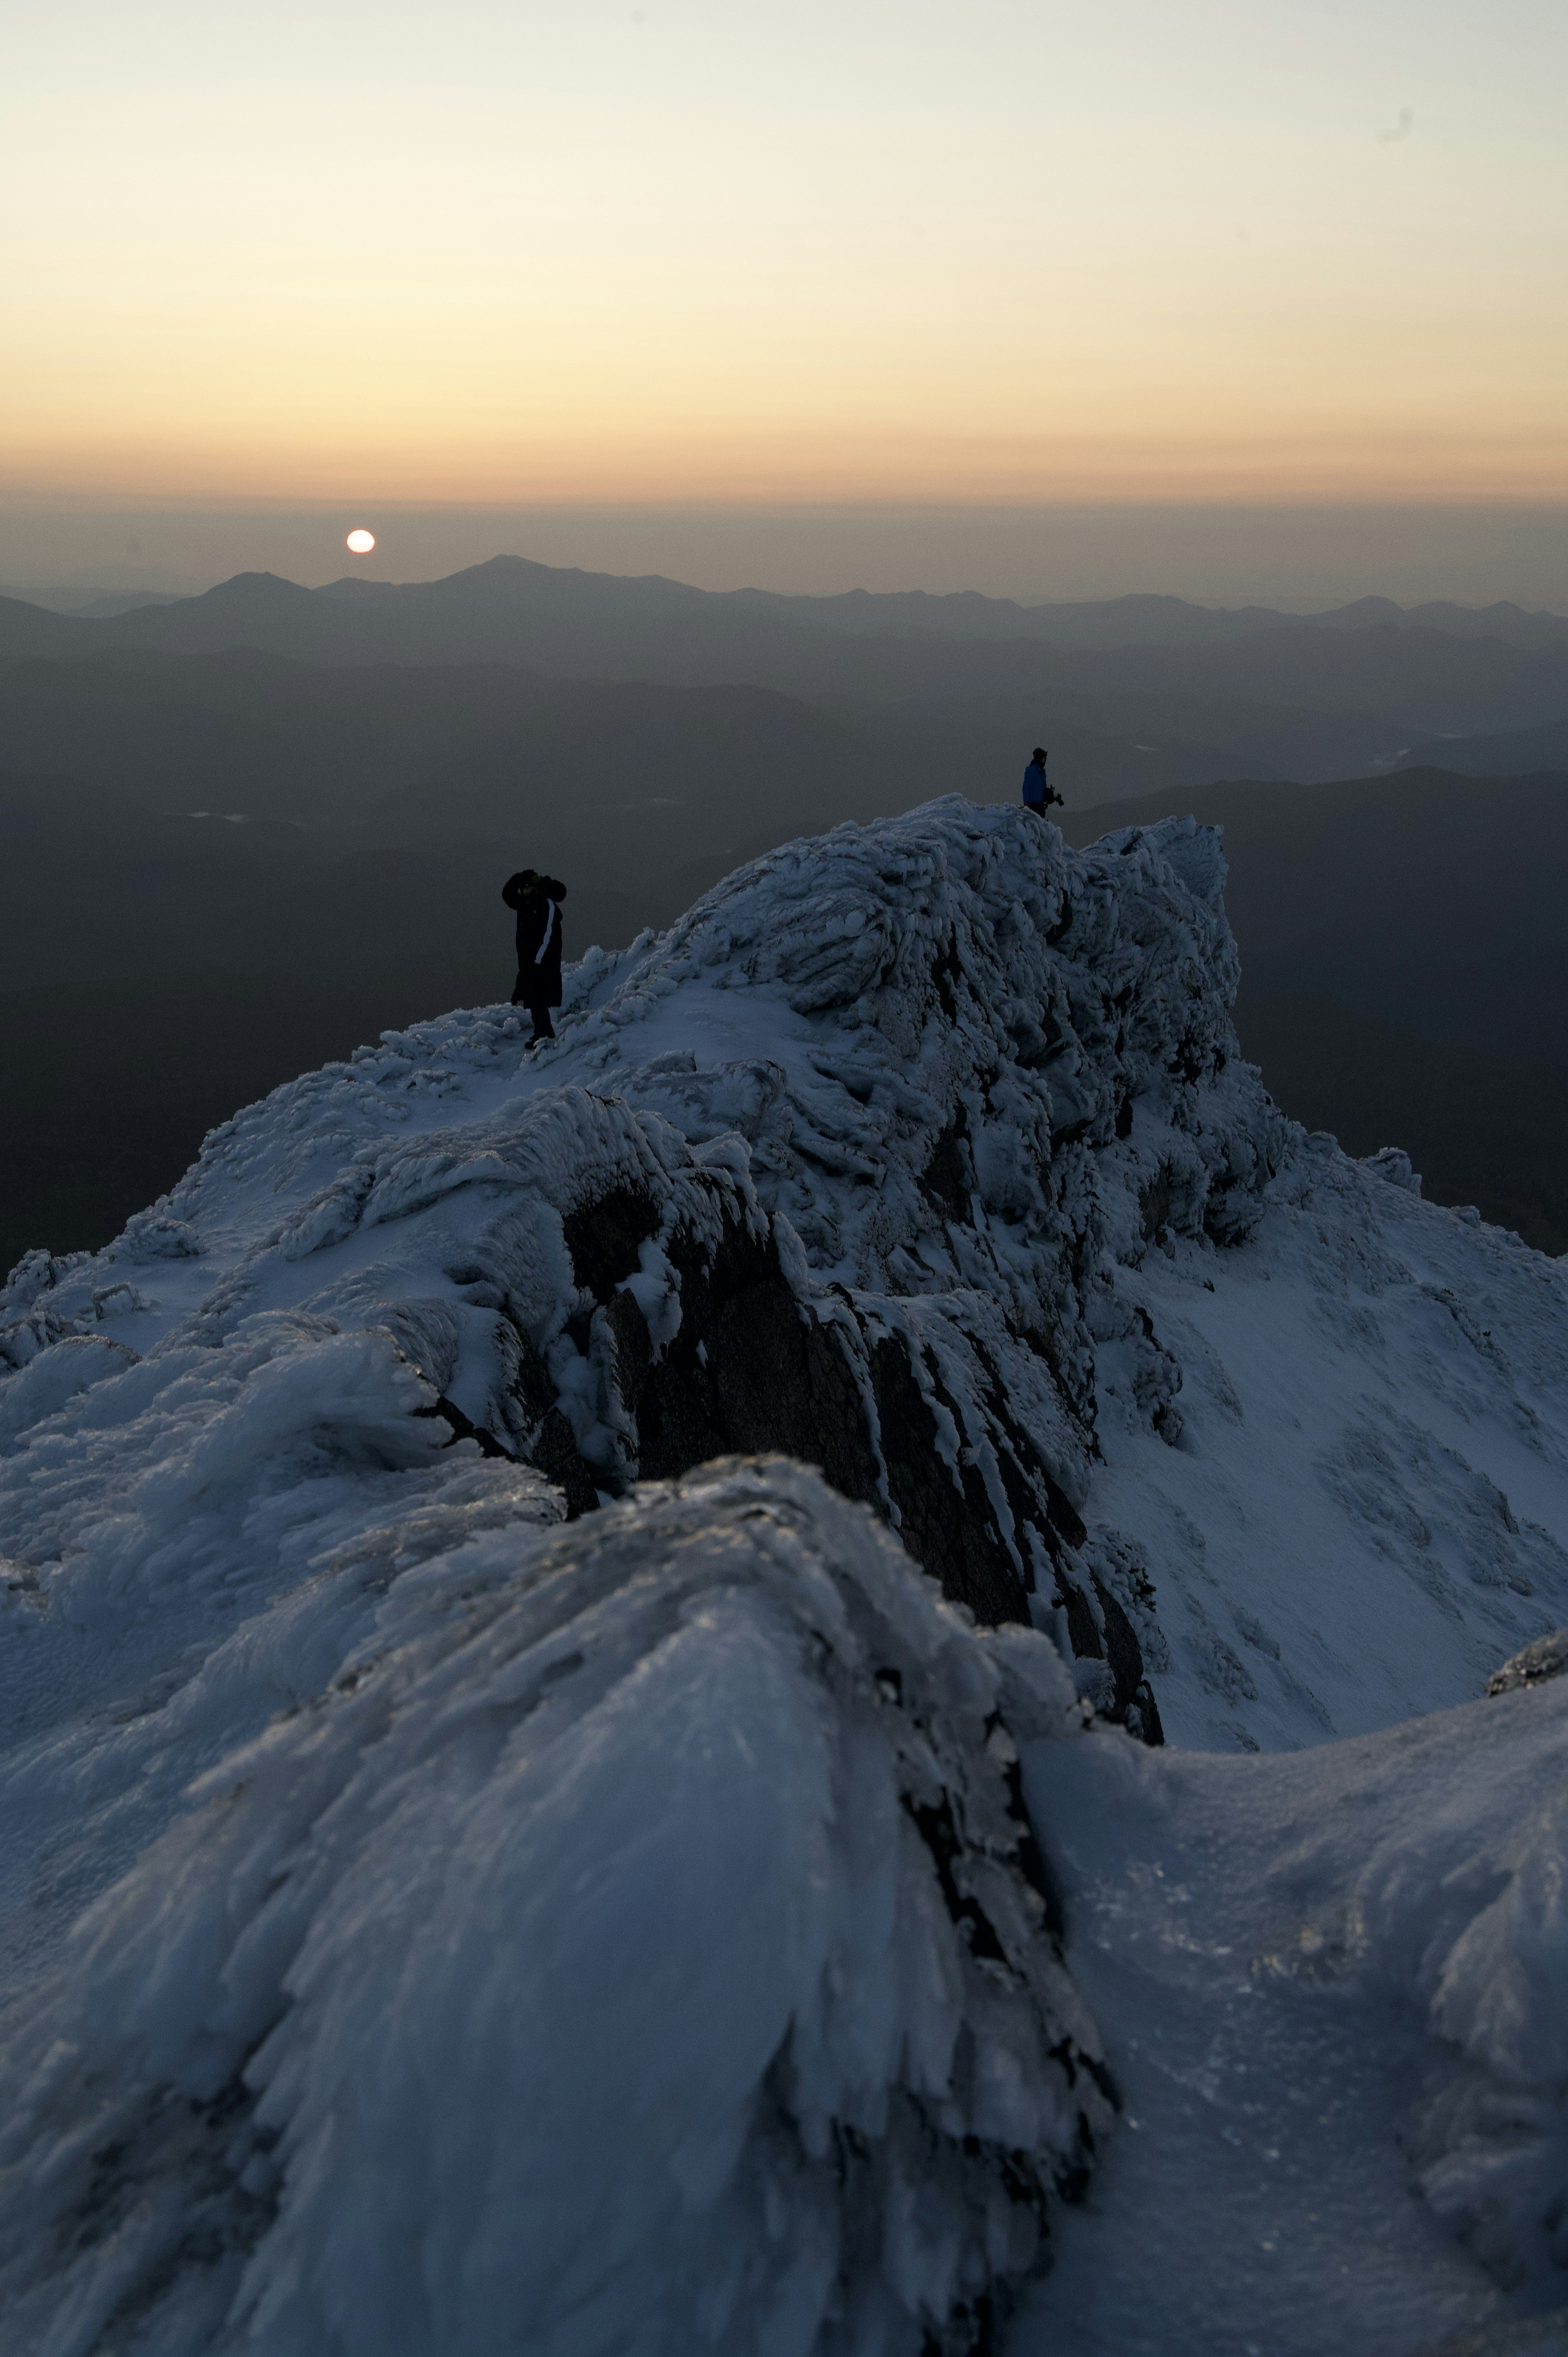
(176, 699)
(1514, 753)
(489, 610)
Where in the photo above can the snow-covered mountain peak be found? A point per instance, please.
(922, 1152)
(843, 1165)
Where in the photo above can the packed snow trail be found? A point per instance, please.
(1331, 1987)
(924, 1152)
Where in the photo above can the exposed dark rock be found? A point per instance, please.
(948, 1177)
(556, 1455)
(464, 1428)
(602, 1237)
(1155, 1204)
(1546, 1658)
(755, 1368)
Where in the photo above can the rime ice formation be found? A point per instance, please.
(444, 1948)
(656, 1892)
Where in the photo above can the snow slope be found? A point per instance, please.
(924, 1152)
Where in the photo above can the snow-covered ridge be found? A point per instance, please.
(818, 1170)
(923, 1152)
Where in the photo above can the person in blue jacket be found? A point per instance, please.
(1038, 795)
(537, 899)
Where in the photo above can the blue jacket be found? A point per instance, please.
(1034, 784)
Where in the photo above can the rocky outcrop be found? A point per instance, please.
(758, 1366)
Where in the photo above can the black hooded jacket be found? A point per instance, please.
(538, 937)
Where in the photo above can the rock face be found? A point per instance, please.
(760, 1365)
(909, 1291)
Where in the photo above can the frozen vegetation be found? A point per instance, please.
(478, 1874)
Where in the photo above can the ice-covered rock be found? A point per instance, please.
(638, 1945)
(923, 1152)
(879, 1239)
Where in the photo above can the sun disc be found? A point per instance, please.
(361, 542)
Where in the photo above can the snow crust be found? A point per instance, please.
(418, 1916)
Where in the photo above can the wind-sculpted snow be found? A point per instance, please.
(639, 1944)
(189, 1541)
(394, 1818)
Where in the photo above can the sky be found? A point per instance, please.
(711, 258)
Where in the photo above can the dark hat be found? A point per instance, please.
(1039, 754)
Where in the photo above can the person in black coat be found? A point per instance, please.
(537, 899)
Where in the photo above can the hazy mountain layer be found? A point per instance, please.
(365, 611)
(1333, 695)
(1516, 753)
(282, 738)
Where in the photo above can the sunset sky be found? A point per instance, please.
(843, 251)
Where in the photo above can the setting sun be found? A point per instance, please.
(361, 542)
